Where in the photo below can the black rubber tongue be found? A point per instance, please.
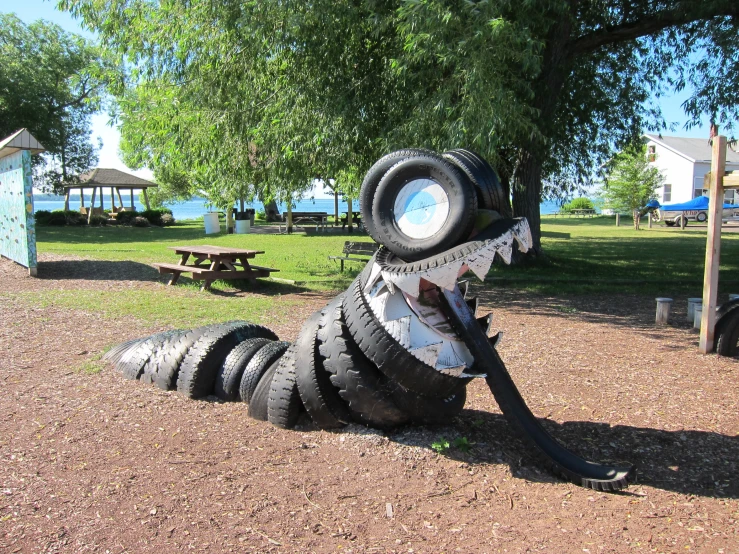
(560, 460)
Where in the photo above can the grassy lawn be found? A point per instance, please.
(583, 256)
(299, 257)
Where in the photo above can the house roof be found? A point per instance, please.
(111, 178)
(693, 149)
(20, 140)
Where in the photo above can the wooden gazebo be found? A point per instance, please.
(117, 181)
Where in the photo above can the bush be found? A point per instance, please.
(167, 220)
(74, 218)
(42, 217)
(261, 215)
(57, 217)
(155, 216)
(578, 204)
(99, 220)
(140, 222)
(125, 218)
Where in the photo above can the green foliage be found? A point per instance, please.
(167, 220)
(43, 217)
(57, 218)
(51, 83)
(155, 216)
(440, 445)
(631, 181)
(139, 221)
(462, 444)
(578, 204)
(98, 220)
(125, 218)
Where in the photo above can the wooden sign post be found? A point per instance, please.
(713, 244)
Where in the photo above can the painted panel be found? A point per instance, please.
(17, 224)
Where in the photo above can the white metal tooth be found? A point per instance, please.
(376, 270)
(400, 329)
(428, 354)
(457, 371)
(409, 283)
(495, 339)
(467, 375)
(522, 233)
(444, 276)
(390, 287)
(505, 251)
(479, 266)
(486, 321)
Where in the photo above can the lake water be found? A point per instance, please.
(196, 207)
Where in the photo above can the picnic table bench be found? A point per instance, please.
(577, 213)
(214, 262)
(356, 249)
(356, 219)
(318, 218)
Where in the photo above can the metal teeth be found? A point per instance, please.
(457, 371)
(428, 354)
(374, 273)
(496, 338)
(400, 330)
(485, 322)
(473, 304)
(444, 276)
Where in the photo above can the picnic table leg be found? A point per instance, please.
(247, 269)
(173, 279)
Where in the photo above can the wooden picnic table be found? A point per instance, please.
(214, 262)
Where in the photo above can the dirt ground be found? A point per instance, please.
(95, 463)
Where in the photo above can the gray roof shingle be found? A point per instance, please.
(696, 149)
(111, 178)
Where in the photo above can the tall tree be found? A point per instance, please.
(51, 82)
(546, 89)
(631, 182)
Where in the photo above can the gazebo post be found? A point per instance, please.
(92, 205)
(102, 199)
(66, 201)
(112, 200)
(82, 197)
(146, 200)
(133, 206)
(118, 190)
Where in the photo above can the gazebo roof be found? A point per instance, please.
(102, 177)
(20, 140)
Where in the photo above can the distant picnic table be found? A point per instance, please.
(214, 262)
(577, 213)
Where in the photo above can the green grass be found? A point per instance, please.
(593, 255)
(301, 258)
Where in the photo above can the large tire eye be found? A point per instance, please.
(423, 205)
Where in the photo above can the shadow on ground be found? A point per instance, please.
(96, 270)
(688, 462)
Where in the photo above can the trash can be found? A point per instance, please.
(212, 225)
(242, 226)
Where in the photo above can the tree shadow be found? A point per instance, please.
(699, 463)
(96, 270)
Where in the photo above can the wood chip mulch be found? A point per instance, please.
(95, 463)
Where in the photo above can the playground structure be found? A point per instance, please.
(402, 342)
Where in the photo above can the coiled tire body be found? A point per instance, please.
(258, 366)
(229, 378)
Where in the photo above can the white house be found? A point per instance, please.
(684, 162)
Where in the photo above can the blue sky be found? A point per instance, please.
(31, 10)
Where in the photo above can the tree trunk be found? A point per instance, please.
(271, 211)
(289, 217)
(527, 195)
(349, 214)
(637, 218)
(230, 220)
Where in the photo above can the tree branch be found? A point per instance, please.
(680, 14)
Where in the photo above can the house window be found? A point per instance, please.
(729, 197)
(651, 152)
(697, 193)
(667, 193)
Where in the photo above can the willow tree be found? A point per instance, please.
(546, 89)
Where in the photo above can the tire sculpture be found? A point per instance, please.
(401, 344)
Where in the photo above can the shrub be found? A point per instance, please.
(155, 216)
(125, 218)
(578, 204)
(42, 217)
(140, 222)
(74, 218)
(167, 220)
(99, 220)
(260, 215)
(57, 217)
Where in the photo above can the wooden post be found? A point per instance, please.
(66, 201)
(713, 244)
(649, 220)
(663, 311)
(618, 220)
(82, 197)
(336, 209)
(289, 216)
(146, 200)
(133, 206)
(112, 200)
(120, 200)
(92, 205)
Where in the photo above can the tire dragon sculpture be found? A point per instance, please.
(402, 342)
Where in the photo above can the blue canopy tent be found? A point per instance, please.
(698, 204)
